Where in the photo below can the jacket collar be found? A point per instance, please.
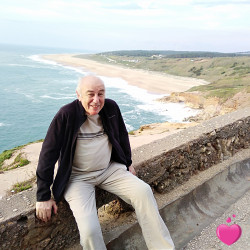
(80, 109)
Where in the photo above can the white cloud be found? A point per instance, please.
(221, 2)
(145, 21)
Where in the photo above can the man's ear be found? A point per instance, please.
(78, 95)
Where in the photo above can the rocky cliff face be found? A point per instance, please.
(210, 106)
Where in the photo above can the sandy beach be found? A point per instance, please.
(152, 82)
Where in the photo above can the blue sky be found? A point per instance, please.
(200, 25)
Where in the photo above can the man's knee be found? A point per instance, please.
(143, 190)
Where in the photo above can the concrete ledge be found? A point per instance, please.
(164, 164)
(171, 161)
(194, 210)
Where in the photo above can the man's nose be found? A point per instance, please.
(96, 98)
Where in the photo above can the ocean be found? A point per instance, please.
(32, 90)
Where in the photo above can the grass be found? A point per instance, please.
(19, 161)
(7, 154)
(21, 186)
(131, 132)
(226, 87)
(226, 75)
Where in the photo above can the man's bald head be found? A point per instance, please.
(88, 80)
(91, 93)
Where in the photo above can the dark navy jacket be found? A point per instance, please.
(60, 143)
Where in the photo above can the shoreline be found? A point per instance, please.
(132, 74)
(153, 82)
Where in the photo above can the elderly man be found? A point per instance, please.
(89, 139)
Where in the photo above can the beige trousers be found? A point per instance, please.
(80, 194)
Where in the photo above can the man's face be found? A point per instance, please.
(92, 95)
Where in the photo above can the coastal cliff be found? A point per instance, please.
(209, 106)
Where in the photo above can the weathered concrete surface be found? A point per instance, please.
(207, 238)
(166, 164)
(190, 213)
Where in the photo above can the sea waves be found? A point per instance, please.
(40, 59)
(134, 101)
(56, 96)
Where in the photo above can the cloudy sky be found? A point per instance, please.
(104, 25)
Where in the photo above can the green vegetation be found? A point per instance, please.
(19, 161)
(168, 53)
(227, 74)
(5, 155)
(21, 186)
(131, 132)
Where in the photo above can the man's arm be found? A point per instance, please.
(124, 139)
(48, 157)
(45, 171)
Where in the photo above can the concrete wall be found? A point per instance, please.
(176, 158)
(164, 164)
(202, 204)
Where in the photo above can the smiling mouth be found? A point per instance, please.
(95, 107)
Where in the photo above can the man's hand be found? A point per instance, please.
(132, 170)
(44, 208)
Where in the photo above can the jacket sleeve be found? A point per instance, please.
(48, 157)
(124, 139)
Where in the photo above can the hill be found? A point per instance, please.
(228, 74)
(170, 53)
